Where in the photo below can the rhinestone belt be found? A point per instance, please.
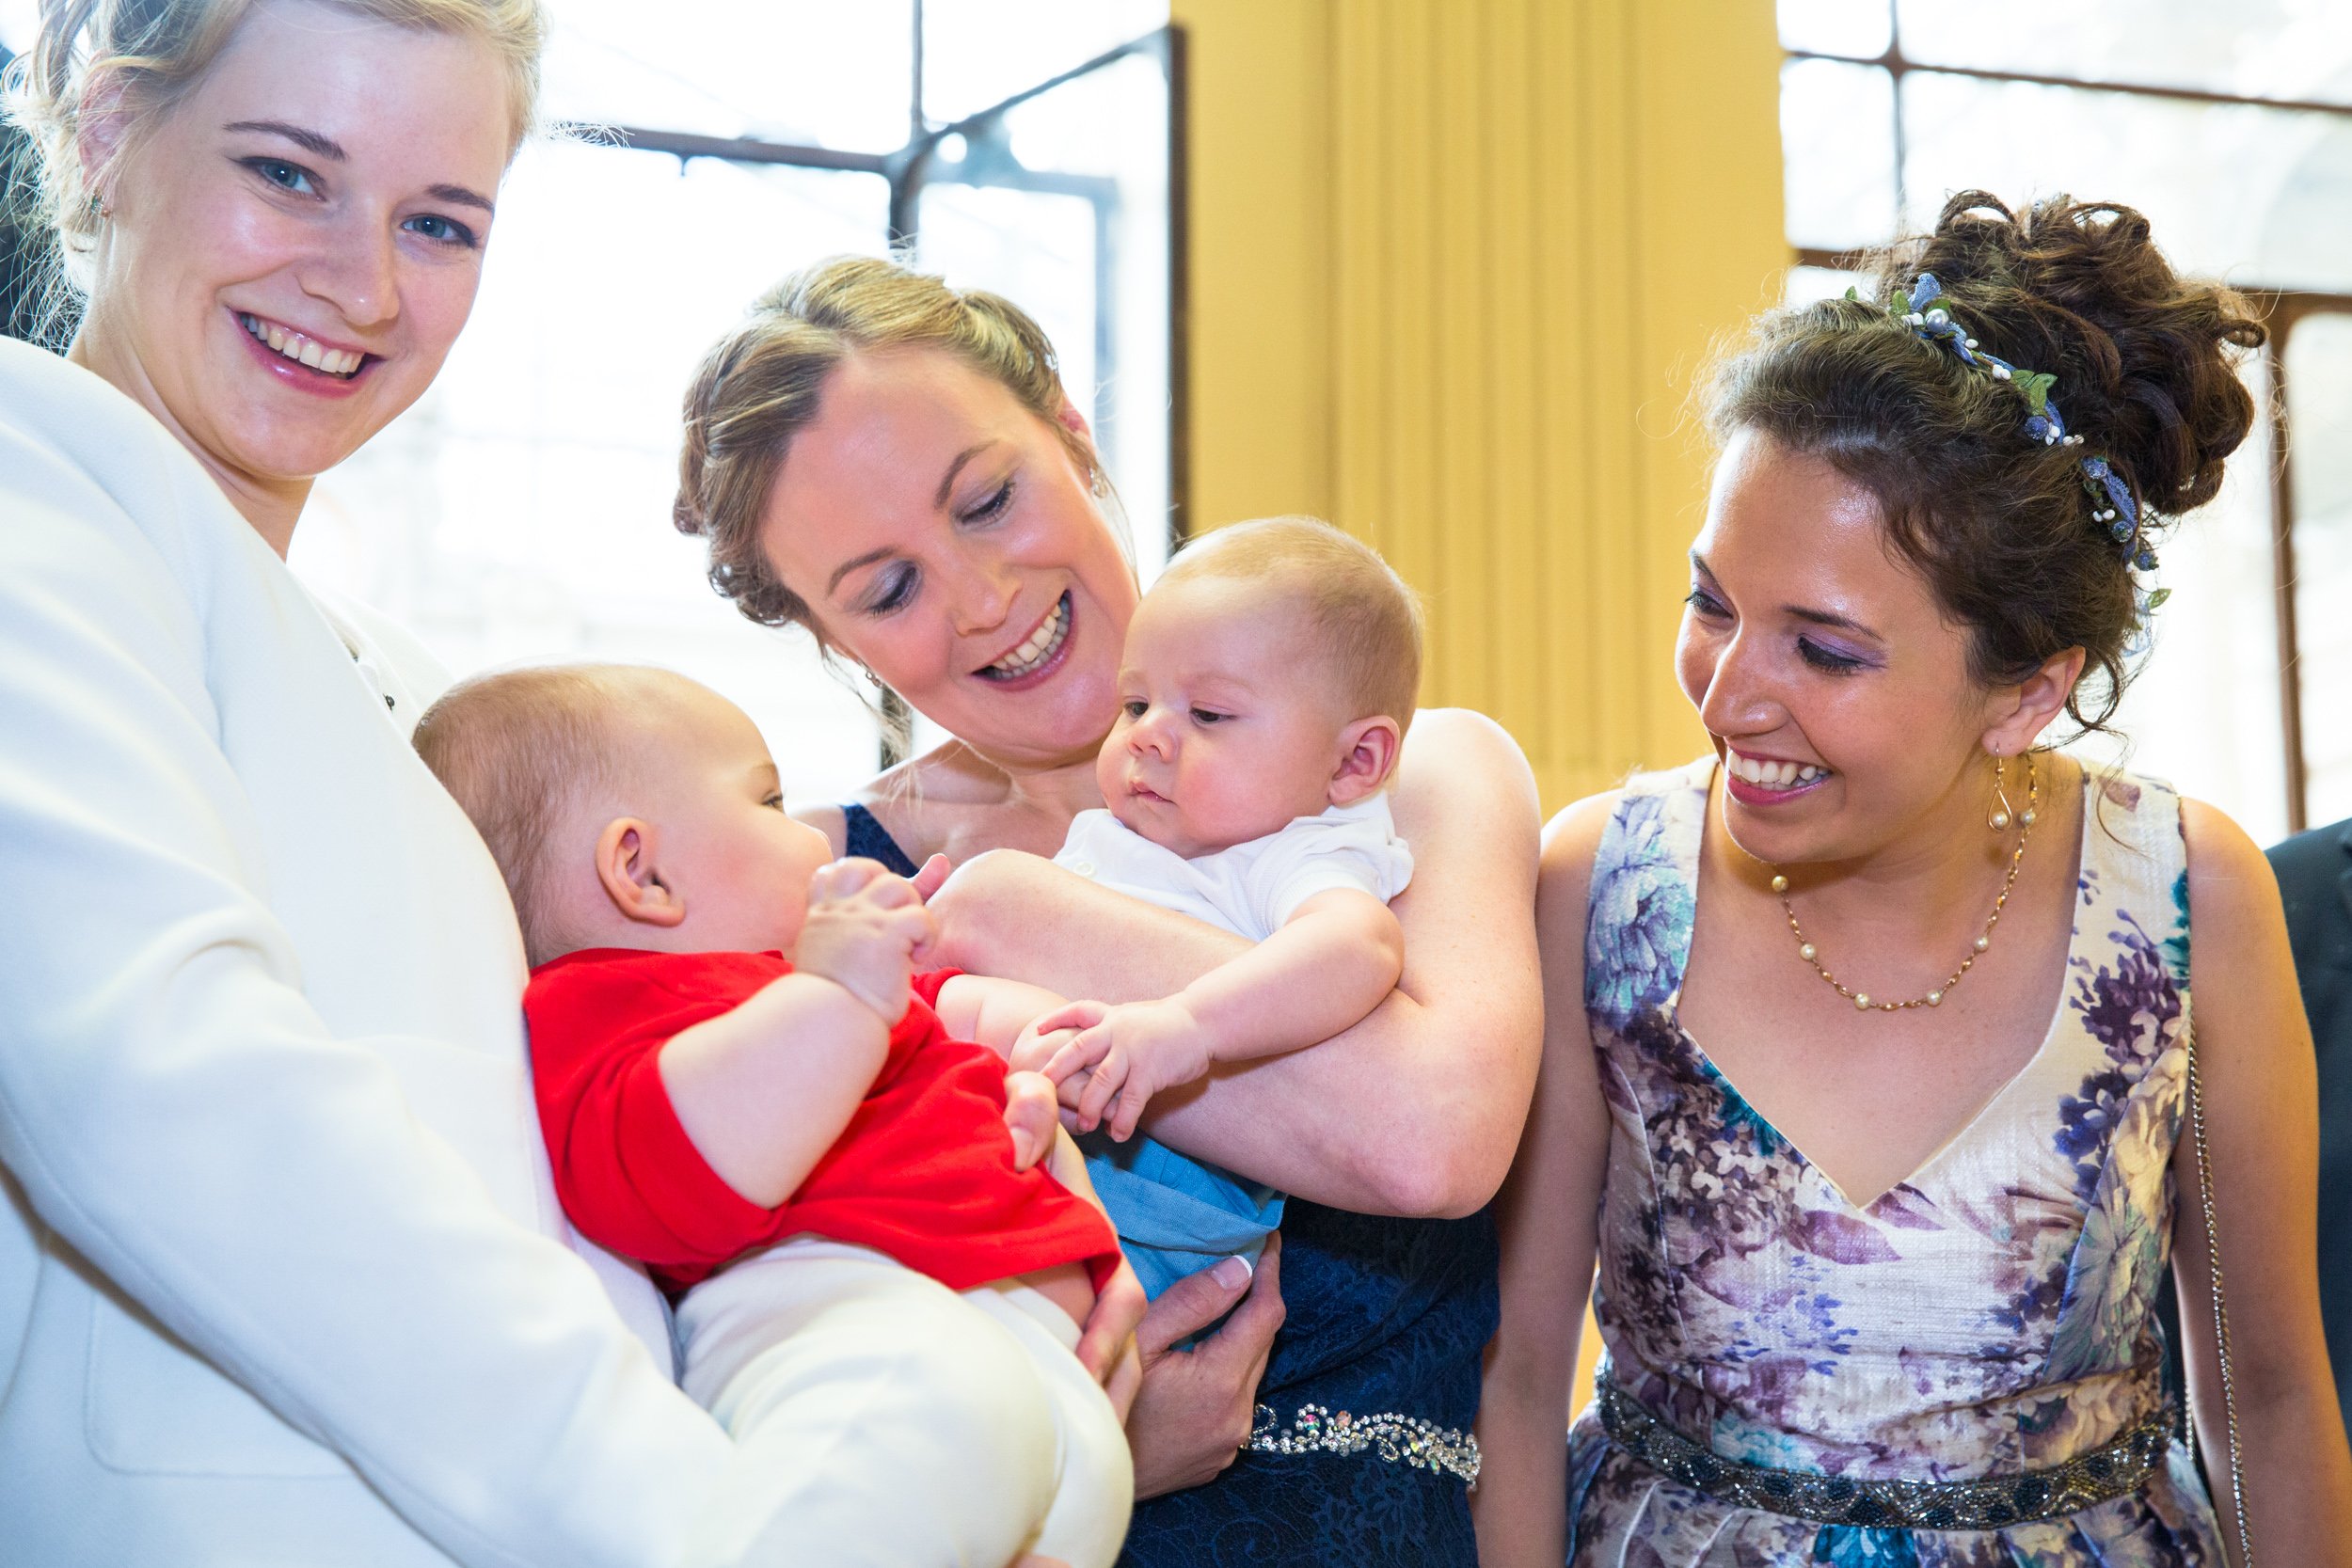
(1398, 1439)
(1988, 1502)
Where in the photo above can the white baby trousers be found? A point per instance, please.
(921, 1428)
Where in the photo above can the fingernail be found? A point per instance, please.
(1233, 1272)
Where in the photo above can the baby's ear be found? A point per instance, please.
(1369, 750)
(625, 866)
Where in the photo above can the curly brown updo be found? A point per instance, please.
(1999, 523)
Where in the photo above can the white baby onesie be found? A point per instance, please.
(1252, 888)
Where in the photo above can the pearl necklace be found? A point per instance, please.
(1997, 819)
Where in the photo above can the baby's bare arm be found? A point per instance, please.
(1330, 965)
(991, 1012)
(764, 1089)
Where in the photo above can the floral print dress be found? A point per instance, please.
(1994, 1312)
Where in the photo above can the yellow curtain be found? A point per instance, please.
(1455, 266)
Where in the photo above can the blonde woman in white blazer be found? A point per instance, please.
(282, 1279)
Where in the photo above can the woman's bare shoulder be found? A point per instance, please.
(1571, 840)
(2232, 892)
(1461, 768)
(1465, 798)
(1463, 743)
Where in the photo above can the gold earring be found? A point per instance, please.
(1998, 813)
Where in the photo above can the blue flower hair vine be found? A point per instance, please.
(1929, 315)
(2120, 512)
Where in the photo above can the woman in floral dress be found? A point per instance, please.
(1868, 1035)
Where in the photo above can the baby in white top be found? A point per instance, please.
(1266, 688)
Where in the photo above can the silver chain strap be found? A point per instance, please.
(2221, 1308)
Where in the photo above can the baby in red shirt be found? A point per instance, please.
(743, 1085)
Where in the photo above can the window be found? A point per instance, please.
(520, 510)
(2230, 127)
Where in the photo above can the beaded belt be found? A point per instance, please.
(1988, 1502)
(1398, 1439)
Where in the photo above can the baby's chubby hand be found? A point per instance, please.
(1036, 1046)
(863, 930)
(1129, 1053)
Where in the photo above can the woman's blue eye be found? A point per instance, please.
(1824, 659)
(285, 176)
(1700, 600)
(445, 231)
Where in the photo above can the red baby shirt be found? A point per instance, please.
(924, 1171)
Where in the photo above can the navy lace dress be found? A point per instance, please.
(1388, 1320)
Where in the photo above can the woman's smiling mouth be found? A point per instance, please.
(1767, 781)
(341, 364)
(1037, 653)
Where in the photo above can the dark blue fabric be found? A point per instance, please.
(868, 837)
(1385, 1314)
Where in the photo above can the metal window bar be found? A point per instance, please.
(1897, 64)
(2283, 308)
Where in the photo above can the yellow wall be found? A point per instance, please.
(1453, 265)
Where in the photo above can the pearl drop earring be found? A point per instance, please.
(1999, 814)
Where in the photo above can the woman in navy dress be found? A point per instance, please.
(895, 465)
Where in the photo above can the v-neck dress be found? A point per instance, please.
(1994, 1312)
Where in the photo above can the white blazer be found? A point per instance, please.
(282, 1278)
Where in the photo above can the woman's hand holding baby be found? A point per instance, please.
(1127, 1053)
(865, 928)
